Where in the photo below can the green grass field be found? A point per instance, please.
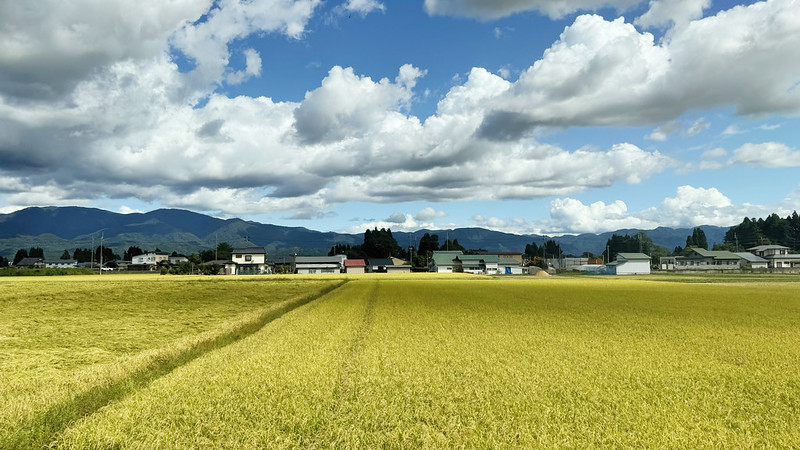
(440, 363)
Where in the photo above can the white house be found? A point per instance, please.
(752, 261)
(508, 263)
(477, 264)
(150, 259)
(177, 259)
(630, 264)
(444, 260)
(777, 256)
(250, 260)
(318, 264)
(61, 263)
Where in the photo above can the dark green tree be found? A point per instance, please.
(21, 254)
(352, 252)
(381, 244)
(697, 239)
(36, 252)
(224, 251)
(132, 251)
(453, 245)
(532, 250)
(108, 255)
(638, 243)
(428, 243)
(552, 249)
(745, 235)
(82, 255)
(65, 255)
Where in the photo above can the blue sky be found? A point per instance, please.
(526, 116)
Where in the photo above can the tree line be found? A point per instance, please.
(379, 243)
(771, 230)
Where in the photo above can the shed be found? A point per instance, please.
(354, 265)
(630, 264)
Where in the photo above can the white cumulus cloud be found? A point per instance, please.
(429, 213)
(493, 9)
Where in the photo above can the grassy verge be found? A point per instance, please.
(52, 334)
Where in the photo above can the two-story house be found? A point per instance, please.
(777, 256)
(250, 260)
(149, 259)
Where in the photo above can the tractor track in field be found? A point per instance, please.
(40, 431)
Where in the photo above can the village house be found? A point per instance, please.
(250, 260)
(702, 259)
(777, 256)
(149, 259)
(354, 265)
(477, 264)
(388, 265)
(508, 263)
(177, 259)
(443, 261)
(30, 262)
(61, 264)
(629, 264)
(484, 263)
(318, 264)
(751, 261)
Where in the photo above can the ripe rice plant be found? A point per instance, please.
(70, 345)
(443, 363)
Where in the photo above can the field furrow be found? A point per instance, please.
(45, 387)
(488, 363)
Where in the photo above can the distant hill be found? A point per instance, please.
(56, 229)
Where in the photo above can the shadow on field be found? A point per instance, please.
(40, 431)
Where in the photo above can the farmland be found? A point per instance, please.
(421, 362)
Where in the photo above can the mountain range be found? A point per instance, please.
(56, 229)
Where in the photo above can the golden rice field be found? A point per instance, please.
(401, 362)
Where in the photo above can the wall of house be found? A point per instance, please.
(515, 269)
(249, 258)
(633, 267)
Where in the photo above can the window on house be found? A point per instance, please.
(248, 258)
(238, 256)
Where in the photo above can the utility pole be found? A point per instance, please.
(101, 253)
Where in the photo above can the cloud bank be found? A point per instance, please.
(124, 100)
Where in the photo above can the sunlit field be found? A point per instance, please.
(68, 344)
(423, 362)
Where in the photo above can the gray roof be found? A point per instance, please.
(259, 250)
(381, 262)
(632, 256)
(749, 257)
(445, 258)
(716, 254)
(29, 261)
(319, 259)
(761, 248)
